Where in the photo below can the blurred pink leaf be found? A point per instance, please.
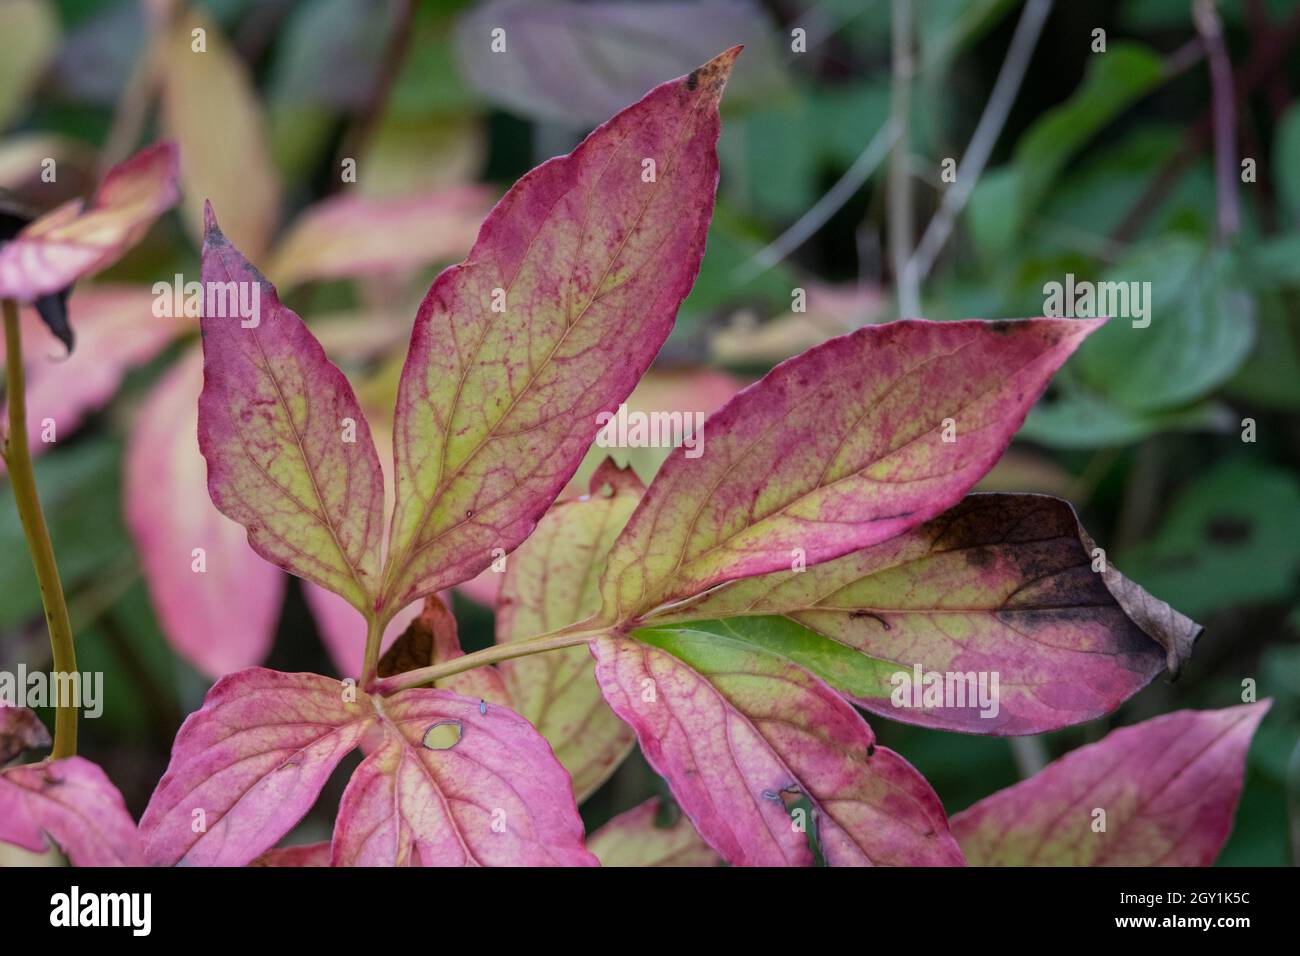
(67, 243)
(117, 332)
(354, 235)
(220, 619)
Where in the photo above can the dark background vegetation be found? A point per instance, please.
(1105, 168)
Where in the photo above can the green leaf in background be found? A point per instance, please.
(1229, 539)
(1273, 263)
(1077, 418)
(1089, 204)
(80, 489)
(1202, 327)
(1271, 376)
(1005, 198)
(1286, 162)
(775, 155)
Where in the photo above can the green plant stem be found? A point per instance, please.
(18, 459)
(489, 655)
(374, 635)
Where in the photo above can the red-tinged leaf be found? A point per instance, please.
(73, 803)
(343, 630)
(567, 295)
(353, 235)
(20, 729)
(1167, 787)
(636, 838)
(998, 592)
(289, 451)
(455, 783)
(837, 449)
(308, 854)
(210, 107)
(247, 766)
(550, 583)
(194, 559)
(738, 731)
(116, 331)
(68, 243)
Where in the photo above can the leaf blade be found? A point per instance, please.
(470, 479)
(274, 422)
(800, 464)
(1170, 788)
(737, 728)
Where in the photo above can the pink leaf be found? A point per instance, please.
(288, 448)
(73, 803)
(635, 838)
(738, 732)
(352, 235)
(117, 332)
(843, 447)
(564, 300)
(455, 783)
(248, 765)
(68, 243)
(1167, 787)
(194, 559)
(999, 588)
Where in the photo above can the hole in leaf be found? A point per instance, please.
(443, 735)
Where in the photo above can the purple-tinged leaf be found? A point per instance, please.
(742, 733)
(998, 592)
(289, 451)
(567, 295)
(457, 784)
(575, 63)
(248, 765)
(193, 557)
(550, 583)
(635, 838)
(73, 803)
(1159, 793)
(845, 446)
(68, 243)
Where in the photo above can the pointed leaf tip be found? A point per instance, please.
(209, 219)
(712, 76)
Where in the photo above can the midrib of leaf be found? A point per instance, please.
(416, 548)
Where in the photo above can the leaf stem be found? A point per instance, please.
(18, 458)
(374, 636)
(489, 655)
